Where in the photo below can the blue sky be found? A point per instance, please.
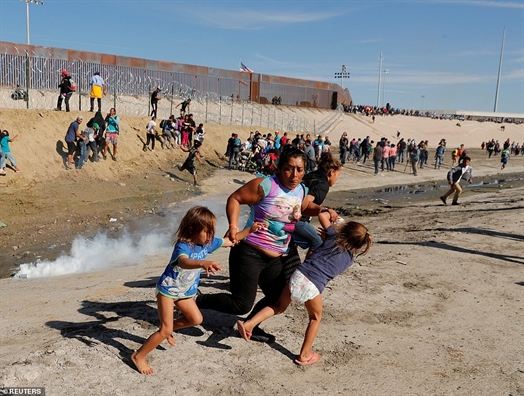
(440, 54)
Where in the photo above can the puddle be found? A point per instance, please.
(392, 196)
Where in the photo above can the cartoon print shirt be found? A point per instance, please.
(178, 282)
(279, 209)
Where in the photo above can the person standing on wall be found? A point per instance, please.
(154, 101)
(98, 89)
(66, 90)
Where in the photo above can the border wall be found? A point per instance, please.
(38, 68)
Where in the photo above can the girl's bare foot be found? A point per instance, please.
(171, 340)
(141, 364)
(308, 361)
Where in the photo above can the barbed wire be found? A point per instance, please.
(31, 80)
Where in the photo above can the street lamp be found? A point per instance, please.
(342, 75)
(385, 71)
(27, 14)
(422, 97)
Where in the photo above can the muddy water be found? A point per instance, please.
(376, 200)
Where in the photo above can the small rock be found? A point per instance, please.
(3, 225)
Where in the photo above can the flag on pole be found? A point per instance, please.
(245, 69)
(242, 82)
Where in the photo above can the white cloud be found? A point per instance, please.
(254, 20)
(517, 74)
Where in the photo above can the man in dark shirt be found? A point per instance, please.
(71, 136)
(183, 106)
(154, 101)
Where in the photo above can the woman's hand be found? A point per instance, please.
(231, 234)
(333, 216)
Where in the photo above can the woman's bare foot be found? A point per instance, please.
(171, 340)
(141, 365)
(308, 361)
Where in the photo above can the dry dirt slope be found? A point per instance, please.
(40, 150)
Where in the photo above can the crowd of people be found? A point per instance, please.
(493, 148)
(260, 153)
(80, 141)
(100, 137)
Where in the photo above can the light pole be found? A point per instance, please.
(422, 97)
(27, 14)
(342, 75)
(385, 71)
(379, 78)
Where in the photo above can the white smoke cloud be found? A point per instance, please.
(100, 252)
(103, 252)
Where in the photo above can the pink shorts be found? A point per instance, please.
(302, 289)
(112, 138)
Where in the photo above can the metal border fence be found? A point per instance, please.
(217, 95)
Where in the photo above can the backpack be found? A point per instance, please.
(266, 161)
(163, 123)
(73, 85)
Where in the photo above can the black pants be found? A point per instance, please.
(61, 98)
(150, 138)
(154, 106)
(99, 100)
(248, 268)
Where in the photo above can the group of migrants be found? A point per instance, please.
(263, 254)
(180, 132)
(261, 152)
(80, 141)
(493, 148)
(386, 154)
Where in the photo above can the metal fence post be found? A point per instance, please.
(207, 100)
(172, 98)
(220, 110)
(114, 90)
(79, 85)
(148, 101)
(27, 77)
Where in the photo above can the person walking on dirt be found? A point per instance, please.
(414, 156)
(462, 171)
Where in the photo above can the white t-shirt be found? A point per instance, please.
(151, 125)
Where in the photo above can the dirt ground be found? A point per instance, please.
(434, 308)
